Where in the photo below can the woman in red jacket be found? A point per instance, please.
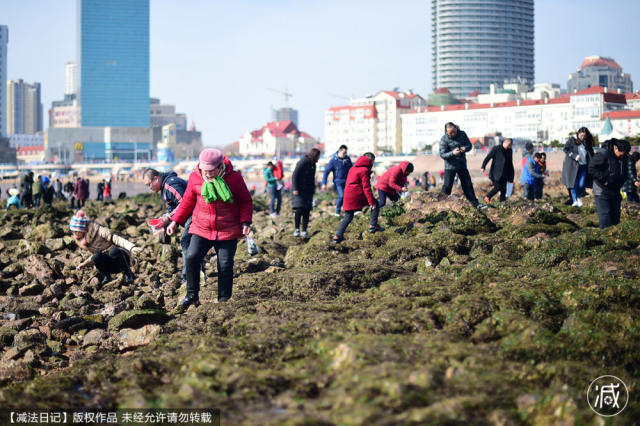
(358, 194)
(222, 212)
(392, 182)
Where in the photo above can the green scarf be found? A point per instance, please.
(216, 189)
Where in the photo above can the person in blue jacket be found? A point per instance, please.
(530, 172)
(339, 164)
(171, 187)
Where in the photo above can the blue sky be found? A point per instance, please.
(215, 60)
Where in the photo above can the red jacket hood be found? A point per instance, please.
(403, 165)
(364, 162)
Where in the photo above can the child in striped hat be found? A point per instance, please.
(111, 253)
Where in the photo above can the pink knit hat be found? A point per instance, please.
(210, 159)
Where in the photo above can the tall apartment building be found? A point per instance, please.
(71, 81)
(371, 123)
(476, 43)
(114, 62)
(4, 41)
(285, 114)
(24, 107)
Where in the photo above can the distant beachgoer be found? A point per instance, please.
(541, 164)
(14, 199)
(107, 191)
(501, 171)
(111, 253)
(339, 165)
(303, 184)
(358, 194)
(530, 172)
(47, 191)
(391, 185)
(578, 151)
(37, 191)
(454, 145)
(26, 189)
(275, 189)
(629, 187)
(100, 190)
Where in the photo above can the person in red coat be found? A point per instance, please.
(392, 182)
(358, 194)
(222, 213)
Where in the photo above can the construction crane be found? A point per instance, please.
(286, 94)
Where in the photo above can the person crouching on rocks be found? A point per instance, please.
(392, 183)
(358, 194)
(222, 213)
(111, 253)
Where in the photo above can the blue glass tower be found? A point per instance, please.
(114, 62)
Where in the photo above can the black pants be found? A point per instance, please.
(198, 249)
(348, 217)
(498, 186)
(529, 191)
(185, 241)
(539, 187)
(633, 197)
(608, 210)
(465, 181)
(100, 196)
(115, 261)
(302, 215)
(26, 199)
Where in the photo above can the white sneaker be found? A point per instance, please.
(575, 204)
(304, 234)
(579, 201)
(296, 233)
(337, 215)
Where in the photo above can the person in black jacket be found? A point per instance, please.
(501, 172)
(303, 185)
(610, 170)
(171, 188)
(629, 188)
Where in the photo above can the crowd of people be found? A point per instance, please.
(215, 207)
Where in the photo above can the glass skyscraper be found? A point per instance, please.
(114, 62)
(479, 42)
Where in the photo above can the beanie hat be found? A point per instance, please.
(528, 146)
(79, 222)
(210, 158)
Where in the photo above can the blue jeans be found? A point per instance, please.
(340, 190)
(578, 186)
(276, 199)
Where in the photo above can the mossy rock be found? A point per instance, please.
(45, 232)
(137, 318)
(6, 336)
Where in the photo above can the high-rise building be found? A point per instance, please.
(24, 107)
(476, 43)
(600, 71)
(4, 40)
(285, 114)
(71, 78)
(114, 62)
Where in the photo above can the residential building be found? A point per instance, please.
(18, 141)
(188, 143)
(7, 152)
(476, 43)
(371, 123)
(65, 113)
(24, 107)
(30, 154)
(163, 114)
(278, 139)
(285, 114)
(624, 122)
(543, 119)
(114, 63)
(600, 71)
(4, 41)
(71, 82)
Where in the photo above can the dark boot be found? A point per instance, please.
(129, 278)
(105, 279)
(188, 300)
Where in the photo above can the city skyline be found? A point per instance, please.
(218, 60)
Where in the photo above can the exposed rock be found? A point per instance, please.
(132, 338)
(29, 337)
(55, 244)
(31, 289)
(137, 318)
(94, 337)
(39, 268)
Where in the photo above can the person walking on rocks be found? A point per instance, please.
(47, 190)
(303, 185)
(339, 165)
(222, 209)
(111, 253)
(501, 171)
(100, 189)
(541, 164)
(26, 190)
(391, 185)
(37, 191)
(275, 189)
(578, 153)
(81, 192)
(609, 168)
(171, 188)
(358, 194)
(454, 145)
